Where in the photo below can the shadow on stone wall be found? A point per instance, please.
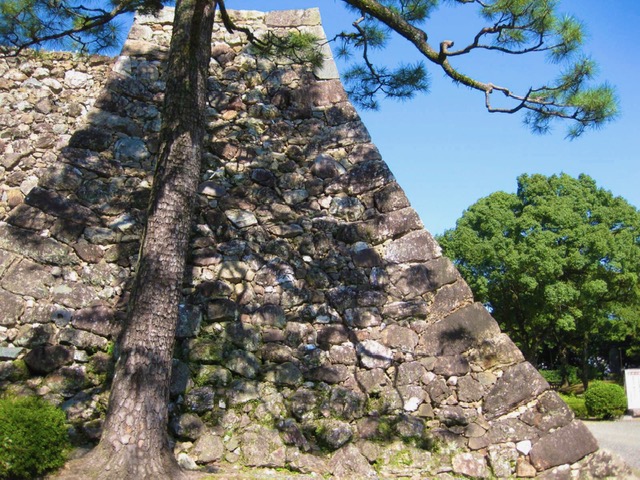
(321, 330)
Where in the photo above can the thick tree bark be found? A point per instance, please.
(134, 441)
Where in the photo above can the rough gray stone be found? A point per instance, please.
(400, 310)
(242, 391)
(325, 166)
(54, 204)
(372, 381)
(241, 218)
(263, 447)
(469, 389)
(28, 278)
(189, 321)
(565, 445)
(349, 462)
(373, 354)
(391, 198)
(550, 412)
(73, 295)
(222, 310)
(24, 216)
(333, 433)
(40, 249)
(332, 335)
(457, 333)
(100, 320)
(91, 139)
(363, 317)
(410, 373)
(12, 308)
(498, 351)
(243, 363)
(306, 463)
(200, 399)
(10, 353)
(329, 374)
(517, 385)
(212, 375)
(448, 366)
(212, 189)
(343, 354)
(47, 358)
(449, 298)
(180, 378)
(208, 448)
(418, 246)
(188, 426)
(470, 464)
(412, 281)
(130, 149)
(284, 374)
(82, 339)
(399, 338)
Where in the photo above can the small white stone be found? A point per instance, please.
(524, 447)
(412, 404)
(186, 462)
(75, 79)
(80, 356)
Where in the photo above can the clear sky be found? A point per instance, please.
(447, 151)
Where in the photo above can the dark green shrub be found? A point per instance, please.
(33, 437)
(605, 400)
(576, 404)
(554, 377)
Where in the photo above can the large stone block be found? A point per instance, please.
(565, 445)
(40, 249)
(462, 330)
(418, 246)
(519, 384)
(100, 320)
(28, 278)
(55, 204)
(47, 358)
(12, 308)
(411, 281)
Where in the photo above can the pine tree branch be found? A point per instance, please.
(563, 101)
(90, 23)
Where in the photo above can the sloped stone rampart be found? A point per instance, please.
(321, 331)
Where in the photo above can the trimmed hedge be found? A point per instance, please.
(605, 400)
(576, 404)
(33, 437)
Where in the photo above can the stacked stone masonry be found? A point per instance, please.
(322, 331)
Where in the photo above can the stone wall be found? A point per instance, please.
(321, 329)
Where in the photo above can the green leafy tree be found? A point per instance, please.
(557, 263)
(134, 443)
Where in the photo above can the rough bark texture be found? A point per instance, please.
(134, 441)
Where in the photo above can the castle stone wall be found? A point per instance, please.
(321, 331)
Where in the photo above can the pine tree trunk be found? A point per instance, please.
(134, 441)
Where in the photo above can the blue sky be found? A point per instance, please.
(447, 151)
